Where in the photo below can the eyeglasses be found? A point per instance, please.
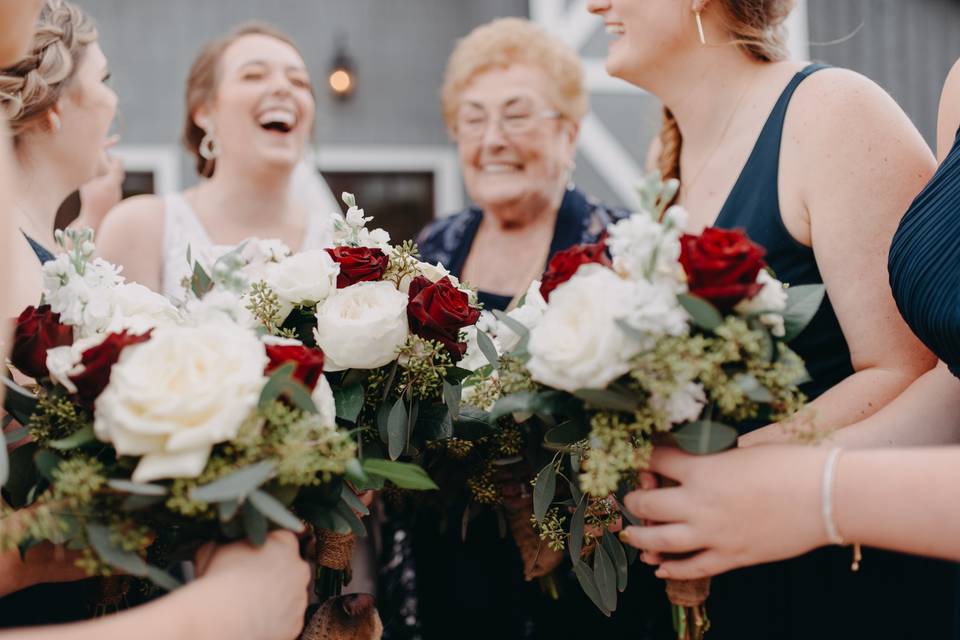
(474, 125)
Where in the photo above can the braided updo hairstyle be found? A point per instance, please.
(756, 27)
(30, 88)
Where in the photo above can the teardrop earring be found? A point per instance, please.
(55, 122)
(703, 37)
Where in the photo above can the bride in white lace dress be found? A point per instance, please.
(250, 113)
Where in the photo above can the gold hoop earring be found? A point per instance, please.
(703, 37)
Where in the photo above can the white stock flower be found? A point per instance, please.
(322, 396)
(259, 254)
(305, 278)
(83, 301)
(655, 312)
(769, 303)
(362, 326)
(684, 405)
(172, 398)
(644, 249)
(577, 343)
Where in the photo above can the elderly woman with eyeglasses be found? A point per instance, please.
(513, 98)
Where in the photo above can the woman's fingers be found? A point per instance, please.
(702, 565)
(659, 505)
(662, 538)
(670, 462)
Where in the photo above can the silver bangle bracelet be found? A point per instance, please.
(829, 471)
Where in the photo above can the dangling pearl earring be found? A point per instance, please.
(703, 37)
(55, 122)
(571, 168)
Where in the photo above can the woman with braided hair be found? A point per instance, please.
(817, 165)
(59, 111)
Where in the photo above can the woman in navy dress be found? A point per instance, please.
(817, 165)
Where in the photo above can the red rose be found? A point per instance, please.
(565, 263)
(98, 362)
(438, 310)
(358, 264)
(38, 331)
(722, 266)
(309, 362)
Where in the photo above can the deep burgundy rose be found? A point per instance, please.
(358, 264)
(438, 311)
(309, 362)
(98, 362)
(565, 263)
(722, 266)
(38, 330)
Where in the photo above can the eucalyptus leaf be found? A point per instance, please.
(575, 489)
(47, 462)
(605, 574)
(456, 375)
(488, 349)
(544, 490)
(162, 579)
(803, 302)
(349, 401)
(589, 585)
(608, 399)
(76, 439)
(227, 509)
(139, 503)
(451, 397)
(237, 485)
(513, 324)
(577, 527)
(564, 434)
(353, 501)
(126, 561)
(397, 429)
(704, 314)
(274, 510)
(614, 549)
(137, 488)
(254, 525)
(352, 519)
(402, 474)
(705, 437)
(523, 402)
(200, 283)
(355, 472)
(472, 423)
(753, 389)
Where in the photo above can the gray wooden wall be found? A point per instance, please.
(907, 46)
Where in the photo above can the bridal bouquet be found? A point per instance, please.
(652, 336)
(149, 429)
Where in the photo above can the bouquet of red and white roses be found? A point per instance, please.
(149, 429)
(652, 336)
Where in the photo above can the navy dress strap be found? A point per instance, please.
(43, 254)
(754, 205)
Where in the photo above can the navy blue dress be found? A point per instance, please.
(816, 596)
(924, 261)
(474, 589)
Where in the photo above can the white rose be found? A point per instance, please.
(219, 305)
(769, 303)
(136, 308)
(684, 405)
(172, 398)
(362, 326)
(528, 314)
(326, 404)
(577, 343)
(305, 278)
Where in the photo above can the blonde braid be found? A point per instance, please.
(30, 88)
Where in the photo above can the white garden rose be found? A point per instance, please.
(138, 309)
(528, 314)
(172, 398)
(362, 326)
(305, 278)
(772, 298)
(322, 397)
(219, 305)
(577, 344)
